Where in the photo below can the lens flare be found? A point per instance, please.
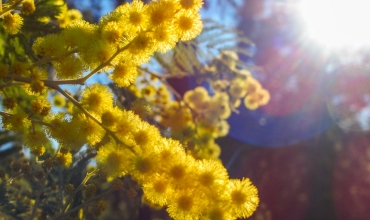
(337, 23)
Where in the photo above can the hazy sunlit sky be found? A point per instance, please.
(337, 23)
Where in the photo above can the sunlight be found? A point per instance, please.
(337, 23)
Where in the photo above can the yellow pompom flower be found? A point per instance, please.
(164, 95)
(144, 167)
(64, 131)
(125, 124)
(88, 130)
(169, 150)
(220, 85)
(34, 139)
(208, 150)
(222, 129)
(97, 98)
(238, 88)
(62, 17)
(12, 22)
(38, 73)
(38, 106)
(134, 16)
(69, 67)
(251, 103)
(217, 211)
(64, 160)
(78, 33)
(51, 45)
(252, 85)
(19, 68)
(9, 103)
(141, 108)
(191, 4)
(256, 99)
(111, 32)
(37, 86)
(114, 159)
(180, 170)
(28, 7)
(148, 91)
(263, 96)
(97, 52)
(141, 48)
(177, 117)
(115, 15)
(59, 101)
(101, 206)
(158, 190)
(38, 150)
(211, 174)
(218, 107)
(74, 14)
(188, 25)
(165, 38)
(186, 205)
(162, 12)
(242, 197)
(124, 74)
(110, 116)
(68, 16)
(146, 137)
(235, 102)
(197, 98)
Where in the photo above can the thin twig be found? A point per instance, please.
(78, 105)
(10, 180)
(70, 199)
(81, 81)
(63, 215)
(34, 209)
(10, 84)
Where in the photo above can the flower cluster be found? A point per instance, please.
(11, 21)
(190, 188)
(13, 13)
(124, 143)
(199, 118)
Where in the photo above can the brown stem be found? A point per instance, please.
(87, 177)
(63, 215)
(12, 178)
(34, 209)
(10, 84)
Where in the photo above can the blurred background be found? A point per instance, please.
(308, 150)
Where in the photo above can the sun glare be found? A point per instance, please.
(337, 23)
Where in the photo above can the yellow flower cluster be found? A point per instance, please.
(125, 143)
(122, 40)
(68, 15)
(242, 84)
(201, 118)
(210, 114)
(190, 188)
(12, 22)
(149, 88)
